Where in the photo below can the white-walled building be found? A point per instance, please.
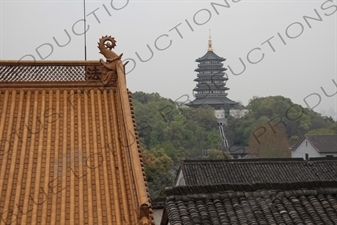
(315, 145)
(238, 113)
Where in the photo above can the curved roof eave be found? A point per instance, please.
(210, 55)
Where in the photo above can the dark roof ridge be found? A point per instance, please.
(321, 135)
(322, 158)
(274, 194)
(217, 190)
(259, 160)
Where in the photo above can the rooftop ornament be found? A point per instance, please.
(109, 72)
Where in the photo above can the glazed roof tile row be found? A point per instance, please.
(69, 153)
(250, 171)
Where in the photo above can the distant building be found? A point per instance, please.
(211, 82)
(238, 113)
(319, 145)
(211, 89)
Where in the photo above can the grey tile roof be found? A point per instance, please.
(324, 143)
(277, 203)
(210, 55)
(250, 171)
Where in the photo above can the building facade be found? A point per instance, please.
(312, 146)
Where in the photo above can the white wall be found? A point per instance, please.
(237, 113)
(220, 116)
(180, 180)
(157, 215)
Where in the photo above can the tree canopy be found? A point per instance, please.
(180, 132)
(168, 134)
(216, 154)
(276, 112)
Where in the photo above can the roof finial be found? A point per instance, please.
(210, 42)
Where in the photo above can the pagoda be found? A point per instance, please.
(211, 87)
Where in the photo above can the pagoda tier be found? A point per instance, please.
(211, 82)
(212, 78)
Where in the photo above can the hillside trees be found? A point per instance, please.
(276, 112)
(157, 165)
(180, 132)
(169, 134)
(216, 154)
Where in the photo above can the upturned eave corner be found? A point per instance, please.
(145, 215)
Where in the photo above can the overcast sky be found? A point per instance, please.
(284, 52)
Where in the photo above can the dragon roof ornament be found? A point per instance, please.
(109, 72)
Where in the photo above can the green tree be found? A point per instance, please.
(322, 131)
(217, 154)
(181, 132)
(296, 120)
(293, 140)
(157, 165)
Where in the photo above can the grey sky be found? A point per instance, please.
(295, 70)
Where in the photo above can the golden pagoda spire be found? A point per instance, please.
(210, 42)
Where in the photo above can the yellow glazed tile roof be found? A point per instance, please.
(69, 150)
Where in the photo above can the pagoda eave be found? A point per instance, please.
(211, 101)
(210, 69)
